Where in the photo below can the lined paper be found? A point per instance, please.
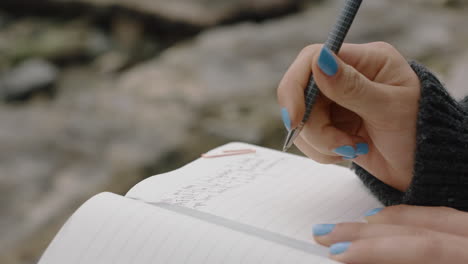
(269, 190)
(113, 229)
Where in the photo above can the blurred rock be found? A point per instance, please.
(103, 134)
(90, 139)
(32, 38)
(457, 82)
(127, 32)
(198, 12)
(441, 2)
(28, 78)
(3, 19)
(111, 62)
(250, 59)
(132, 44)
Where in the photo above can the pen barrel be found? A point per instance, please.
(311, 93)
(345, 20)
(334, 42)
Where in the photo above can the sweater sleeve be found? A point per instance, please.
(440, 176)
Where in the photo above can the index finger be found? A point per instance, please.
(368, 59)
(292, 86)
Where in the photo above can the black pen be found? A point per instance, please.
(334, 42)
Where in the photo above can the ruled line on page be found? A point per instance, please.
(305, 247)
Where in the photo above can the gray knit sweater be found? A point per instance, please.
(440, 175)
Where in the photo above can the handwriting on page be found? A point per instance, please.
(230, 176)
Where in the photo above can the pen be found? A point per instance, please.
(334, 42)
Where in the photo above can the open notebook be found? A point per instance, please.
(253, 208)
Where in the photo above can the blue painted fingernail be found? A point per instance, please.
(373, 211)
(327, 62)
(321, 230)
(362, 148)
(286, 119)
(345, 151)
(339, 248)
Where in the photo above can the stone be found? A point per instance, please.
(3, 19)
(107, 132)
(42, 38)
(111, 62)
(91, 138)
(249, 59)
(197, 12)
(457, 80)
(441, 2)
(28, 78)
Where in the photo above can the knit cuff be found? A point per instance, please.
(440, 175)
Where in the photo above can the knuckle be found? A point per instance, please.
(383, 46)
(392, 213)
(310, 50)
(360, 231)
(353, 83)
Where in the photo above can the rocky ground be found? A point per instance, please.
(96, 95)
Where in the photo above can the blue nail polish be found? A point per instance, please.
(345, 151)
(286, 119)
(327, 62)
(373, 212)
(321, 230)
(362, 148)
(339, 248)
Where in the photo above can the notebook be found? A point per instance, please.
(251, 208)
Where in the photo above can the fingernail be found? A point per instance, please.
(345, 151)
(339, 248)
(350, 158)
(286, 119)
(362, 148)
(373, 211)
(323, 229)
(327, 62)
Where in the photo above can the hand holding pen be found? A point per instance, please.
(334, 42)
(366, 111)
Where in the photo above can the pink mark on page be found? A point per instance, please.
(227, 153)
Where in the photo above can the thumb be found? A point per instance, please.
(347, 87)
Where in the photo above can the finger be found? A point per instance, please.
(330, 234)
(371, 59)
(315, 155)
(440, 219)
(437, 248)
(325, 137)
(292, 86)
(348, 87)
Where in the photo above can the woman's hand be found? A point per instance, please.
(367, 110)
(400, 234)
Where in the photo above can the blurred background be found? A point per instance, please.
(96, 95)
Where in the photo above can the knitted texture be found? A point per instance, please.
(440, 175)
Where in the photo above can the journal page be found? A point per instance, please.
(113, 229)
(268, 190)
